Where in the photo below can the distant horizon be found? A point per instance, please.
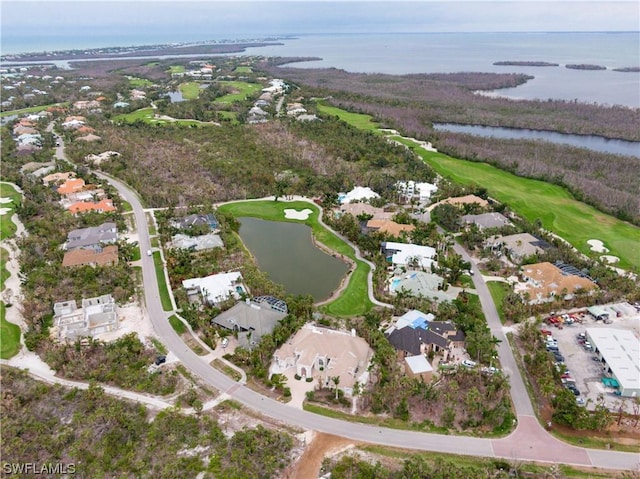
(271, 37)
(34, 26)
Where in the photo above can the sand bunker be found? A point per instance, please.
(610, 259)
(597, 246)
(297, 215)
(4, 211)
(5, 199)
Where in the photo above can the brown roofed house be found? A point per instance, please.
(544, 281)
(102, 206)
(108, 256)
(72, 185)
(389, 226)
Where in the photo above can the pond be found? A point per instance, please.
(285, 251)
(591, 142)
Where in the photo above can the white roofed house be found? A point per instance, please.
(410, 190)
(216, 288)
(407, 254)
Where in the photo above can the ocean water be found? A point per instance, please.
(457, 52)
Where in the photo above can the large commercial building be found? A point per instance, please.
(619, 350)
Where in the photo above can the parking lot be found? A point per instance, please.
(586, 372)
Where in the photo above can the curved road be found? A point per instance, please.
(529, 442)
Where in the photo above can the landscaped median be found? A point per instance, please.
(354, 299)
(162, 282)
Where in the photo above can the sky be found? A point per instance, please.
(46, 25)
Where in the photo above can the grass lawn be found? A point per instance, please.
(32, 109)
(126, 206)
(360, 121)
(499, 291)
(162, 283)
(139, 82)
(244, 90)
(176, 69)
(243, 69)
(4, 273)
(354, 300)
(232, 116)
(177, 325)
(148, 115)
(190, 90)
(9, 336)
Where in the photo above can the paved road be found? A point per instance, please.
(528, 442)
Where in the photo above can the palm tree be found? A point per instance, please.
(336, 381)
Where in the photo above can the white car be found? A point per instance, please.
(225, 342)
(469, 364)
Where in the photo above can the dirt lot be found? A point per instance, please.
(586, 372)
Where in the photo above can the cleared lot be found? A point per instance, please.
(584, 370)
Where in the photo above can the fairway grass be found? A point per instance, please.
(358, 120)
(176, 69)
(4, 272)
(7, 227)
(559, 212)
(354, 300)
(148, 116)
(9, 335)
(139, 82)
(190, 90)
(32, 109)
(244, 90)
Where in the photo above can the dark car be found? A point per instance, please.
(160, 359)
(558, 356)
(552, 348)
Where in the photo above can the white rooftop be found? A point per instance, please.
(406, 252)
(358, 193)
(418, 364)
(217, 287)
(621, 350)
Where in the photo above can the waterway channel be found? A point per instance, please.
(590, 142)
(286, 252)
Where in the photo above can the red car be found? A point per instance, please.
(546, 332)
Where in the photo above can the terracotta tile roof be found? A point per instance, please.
(71, 185)
(102, 206)
(388, 226)
(545, 280)
(81, 256)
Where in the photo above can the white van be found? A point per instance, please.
(149, 253)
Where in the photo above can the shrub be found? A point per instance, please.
(286, 392)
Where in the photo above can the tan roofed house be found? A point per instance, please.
(325, 353)
(462, 200)
(389, 226)
(56, 177)
(544, 281)
(356, 209)
(108, 256)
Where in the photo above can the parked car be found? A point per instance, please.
(581, 336)
(587, 345)
(566, 375)
(469, 364)
(160, 359)
(580, 401)
(551, 347)
(225, 342)
(546, 332)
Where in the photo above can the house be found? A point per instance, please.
(410, 190)
(252, 319)
(407, 254)
(93, 237)
(102, 206)
(422, 283)
(462, 200)
(196, 243)
(90, 138)
(107, 256)
(416, 333)
(418, 367)
(215, 288)
(323, 353)
(72, 185)
(357, 209)
(96, 315)
(487, 220)
(97, 159)
(120, 104)
(518, 246)
(57, 177)
(358, 193)
(37, 170)
(191, 221)
(389, 227)
(545, 281)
